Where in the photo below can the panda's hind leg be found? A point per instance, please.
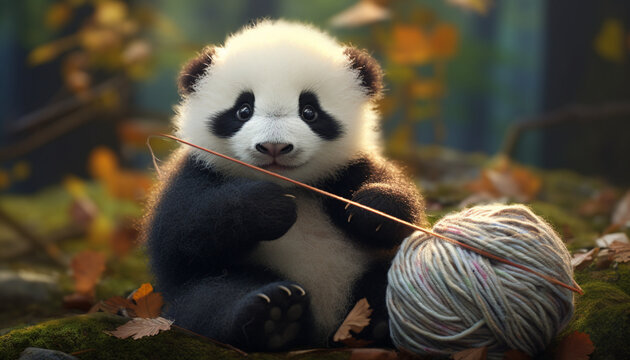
(274, 317)
(250, 309)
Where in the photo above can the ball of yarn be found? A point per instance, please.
(443, 298)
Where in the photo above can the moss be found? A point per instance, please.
(85, 332)
(576, 231)
(603, 311)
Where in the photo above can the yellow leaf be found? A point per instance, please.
(75, 186)
(110, 12)
(357, 319)
(609, 43)
(144, 290)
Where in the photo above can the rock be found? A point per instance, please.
(26, 287)
(33, 353)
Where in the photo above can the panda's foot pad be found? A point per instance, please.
(275, 317)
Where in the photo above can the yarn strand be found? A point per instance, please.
(575, 288)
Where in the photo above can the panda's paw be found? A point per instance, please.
(274, 317)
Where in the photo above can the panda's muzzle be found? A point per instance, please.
(274, 149)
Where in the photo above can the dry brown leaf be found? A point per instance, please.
(507, 179)
(87, 268)
(580, 261)
(622, 251)
(144, 290)
(516, 355)
(472, 354)
(608, 239)
(149, 306)
(575, 346)
(373, 354)
(621, 215)
(357, 319)
(139, 327)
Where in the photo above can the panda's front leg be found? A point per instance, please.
(374, 229)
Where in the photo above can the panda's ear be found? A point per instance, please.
(193, 70)
(369, 71)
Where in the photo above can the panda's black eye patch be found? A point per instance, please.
(229, 122)
(320, 122)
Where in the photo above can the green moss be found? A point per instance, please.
(86, 332)
(576, 231)
(603, 311)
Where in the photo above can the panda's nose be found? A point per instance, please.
(274, 149)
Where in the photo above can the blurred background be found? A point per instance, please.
(487, 100)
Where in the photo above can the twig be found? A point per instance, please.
(568, 114)
(576, 288)
(51, 250)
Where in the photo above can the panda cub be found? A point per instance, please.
(246, 258)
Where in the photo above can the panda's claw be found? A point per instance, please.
(290, 196)
(347, 206)
(285, 289)
(350, 217)
(264, 297)
(378, 227)
(302, 291)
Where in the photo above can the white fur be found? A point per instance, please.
(315, 254)
(277, 60)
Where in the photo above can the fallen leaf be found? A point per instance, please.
(608, 239)
(357, 319)
(124, 238)
(149, 306)
(144, 290)
(515, 355)
(621, 214)
(575, 346)
(622, 251)
(604, 259)
(113, 305)
(505, 178)
(472, 354)
(140, 327)
(373, 354)
(87, 268)
(601, 203)
(580, 261)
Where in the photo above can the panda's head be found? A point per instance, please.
(283, 96)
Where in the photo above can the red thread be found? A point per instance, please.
(575, 288)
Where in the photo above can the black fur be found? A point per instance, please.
(325, 126)
(194, 69)
(226, 124)
(202, 225)
(379, 185)
(370, 72)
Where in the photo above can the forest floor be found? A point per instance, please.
(76, 244)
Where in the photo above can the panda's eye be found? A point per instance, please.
(244, 112)
(309, 114)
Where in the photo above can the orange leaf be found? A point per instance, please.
(444, 41)
(622, 251)
(575, 346)
(357, 319)
(472, 354)
(144, 290)
(149, 306)
(87, 268)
